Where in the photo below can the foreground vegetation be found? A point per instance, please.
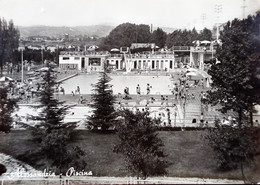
(188, 153)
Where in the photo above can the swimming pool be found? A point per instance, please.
(159, 85)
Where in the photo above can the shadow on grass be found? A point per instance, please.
(188, 154)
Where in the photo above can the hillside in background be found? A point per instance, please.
(53, 31)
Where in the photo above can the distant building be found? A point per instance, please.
(51, 48)
(82, 61)
(35, 47)
(66, 37)
(38, 38)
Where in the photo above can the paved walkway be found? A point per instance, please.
(20, 173)
(115, 180)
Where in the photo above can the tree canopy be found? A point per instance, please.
(104, 114)
(233, 145)
(125, 34)
(50, 130)
(159, 37)
(236, 80)
(9, 41)
(7, 107)
(140, 145)
(186, 37)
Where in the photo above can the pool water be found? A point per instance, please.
(159, 85)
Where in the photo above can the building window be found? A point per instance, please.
(66, 58)
(76, 58)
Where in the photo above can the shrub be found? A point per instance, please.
(233, 145)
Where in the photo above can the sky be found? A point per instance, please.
(163, 13)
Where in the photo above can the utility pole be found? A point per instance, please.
(136, 34)
(203, 18)
(42, 57)
(218, 9)
(244, 8)
(22, 65)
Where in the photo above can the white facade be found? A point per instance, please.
(82, 61)
(97, 61)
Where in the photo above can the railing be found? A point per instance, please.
(73, 53)
(181, 48)
(151, 56)
(137, 55)
(203, 48)
(116, 55)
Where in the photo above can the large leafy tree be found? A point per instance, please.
(233, 145)
(186, 37)
(143, 34)
(182, 38)
(140, 144)
(125, 34)
(7, 107)
(104, 114)
(174, 39)
(205, 34)
(159, 37)
(194, 35)
(236, 80)
(236, 86)
(50, 130)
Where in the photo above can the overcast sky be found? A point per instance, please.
(162, 13)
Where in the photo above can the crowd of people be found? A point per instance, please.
(184, 91)
(181, 86)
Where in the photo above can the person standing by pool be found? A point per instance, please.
(62, 90)
(167, 101)
(138, 92)
(162, 101)
(138, 89)
(77, 90)
(168, 116)
(148, 89)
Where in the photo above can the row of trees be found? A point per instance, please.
(186, 37)
(126, 34)
(9, 41)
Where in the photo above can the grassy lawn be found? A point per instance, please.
(187, 152)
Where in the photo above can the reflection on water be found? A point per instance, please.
(160, 85)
